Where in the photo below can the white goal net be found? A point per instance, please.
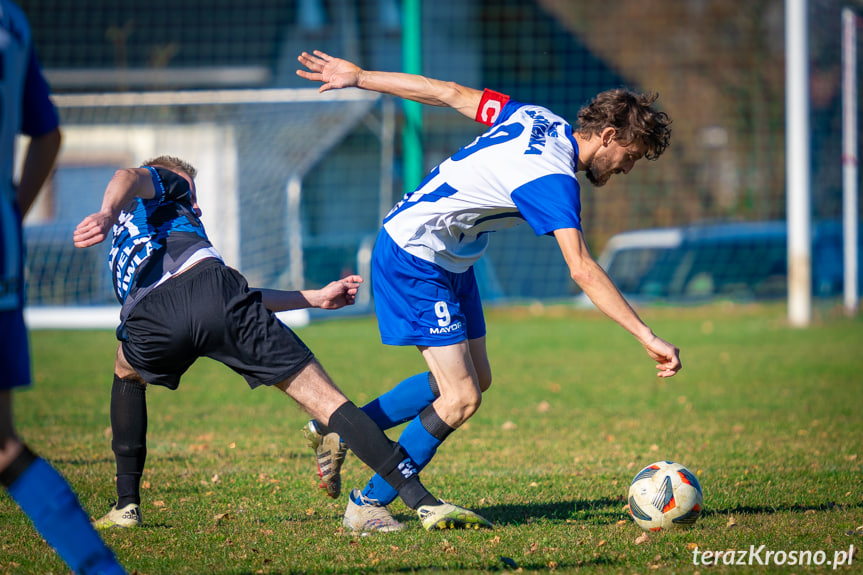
(270, 204)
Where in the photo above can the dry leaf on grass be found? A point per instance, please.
(643, 538)
(448, 547)
(219, 517)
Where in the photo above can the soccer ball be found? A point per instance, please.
(665, 495)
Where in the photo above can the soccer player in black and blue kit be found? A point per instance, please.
(180, 301)
(31, 481)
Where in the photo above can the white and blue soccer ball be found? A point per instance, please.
(665, 495)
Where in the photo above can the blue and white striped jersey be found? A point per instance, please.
(25, 107)
(155, 238)
(522, 169)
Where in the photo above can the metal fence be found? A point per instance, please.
(718, 66)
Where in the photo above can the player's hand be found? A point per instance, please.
(92, 230)
(333, 73)
(666, 355)
(339, 293)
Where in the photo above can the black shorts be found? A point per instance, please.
(208, 311)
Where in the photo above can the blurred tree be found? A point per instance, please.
(719, 67)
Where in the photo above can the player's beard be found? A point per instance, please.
(598, 172)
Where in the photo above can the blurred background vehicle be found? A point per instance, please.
(741, 261)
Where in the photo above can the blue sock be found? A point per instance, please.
(403, 402)
(48, 500)
(420, 440)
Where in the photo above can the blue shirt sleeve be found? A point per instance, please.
(550, 203)
(39, 116)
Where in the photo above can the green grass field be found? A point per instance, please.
(768, 416)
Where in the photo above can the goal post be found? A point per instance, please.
(850, 204)
(270, 206)
(797, 160)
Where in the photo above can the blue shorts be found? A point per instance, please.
(14, 350)
(420, 303)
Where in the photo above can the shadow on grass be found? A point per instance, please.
(502, 566)
(82, 460)
(769, 509)
(610, 510)
(605, 510)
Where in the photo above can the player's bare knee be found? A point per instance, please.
(129, 375)
(10, 447)
(457, 408)
(472, 407)
(124, 370)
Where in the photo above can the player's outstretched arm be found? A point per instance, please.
(335, 73)
(126, 184)
(334, 295)
(596, 284)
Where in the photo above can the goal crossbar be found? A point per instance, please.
(211, 97)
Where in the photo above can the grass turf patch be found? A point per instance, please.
(768, 417)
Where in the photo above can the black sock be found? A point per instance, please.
(383, 455)
(17, 467)
(322, 429)
(129, 426)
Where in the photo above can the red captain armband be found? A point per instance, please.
(490, 106)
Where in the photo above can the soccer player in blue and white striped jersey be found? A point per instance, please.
(523, 169)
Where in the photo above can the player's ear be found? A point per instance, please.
(607, 135)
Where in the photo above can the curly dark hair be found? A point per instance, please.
(632, 115)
